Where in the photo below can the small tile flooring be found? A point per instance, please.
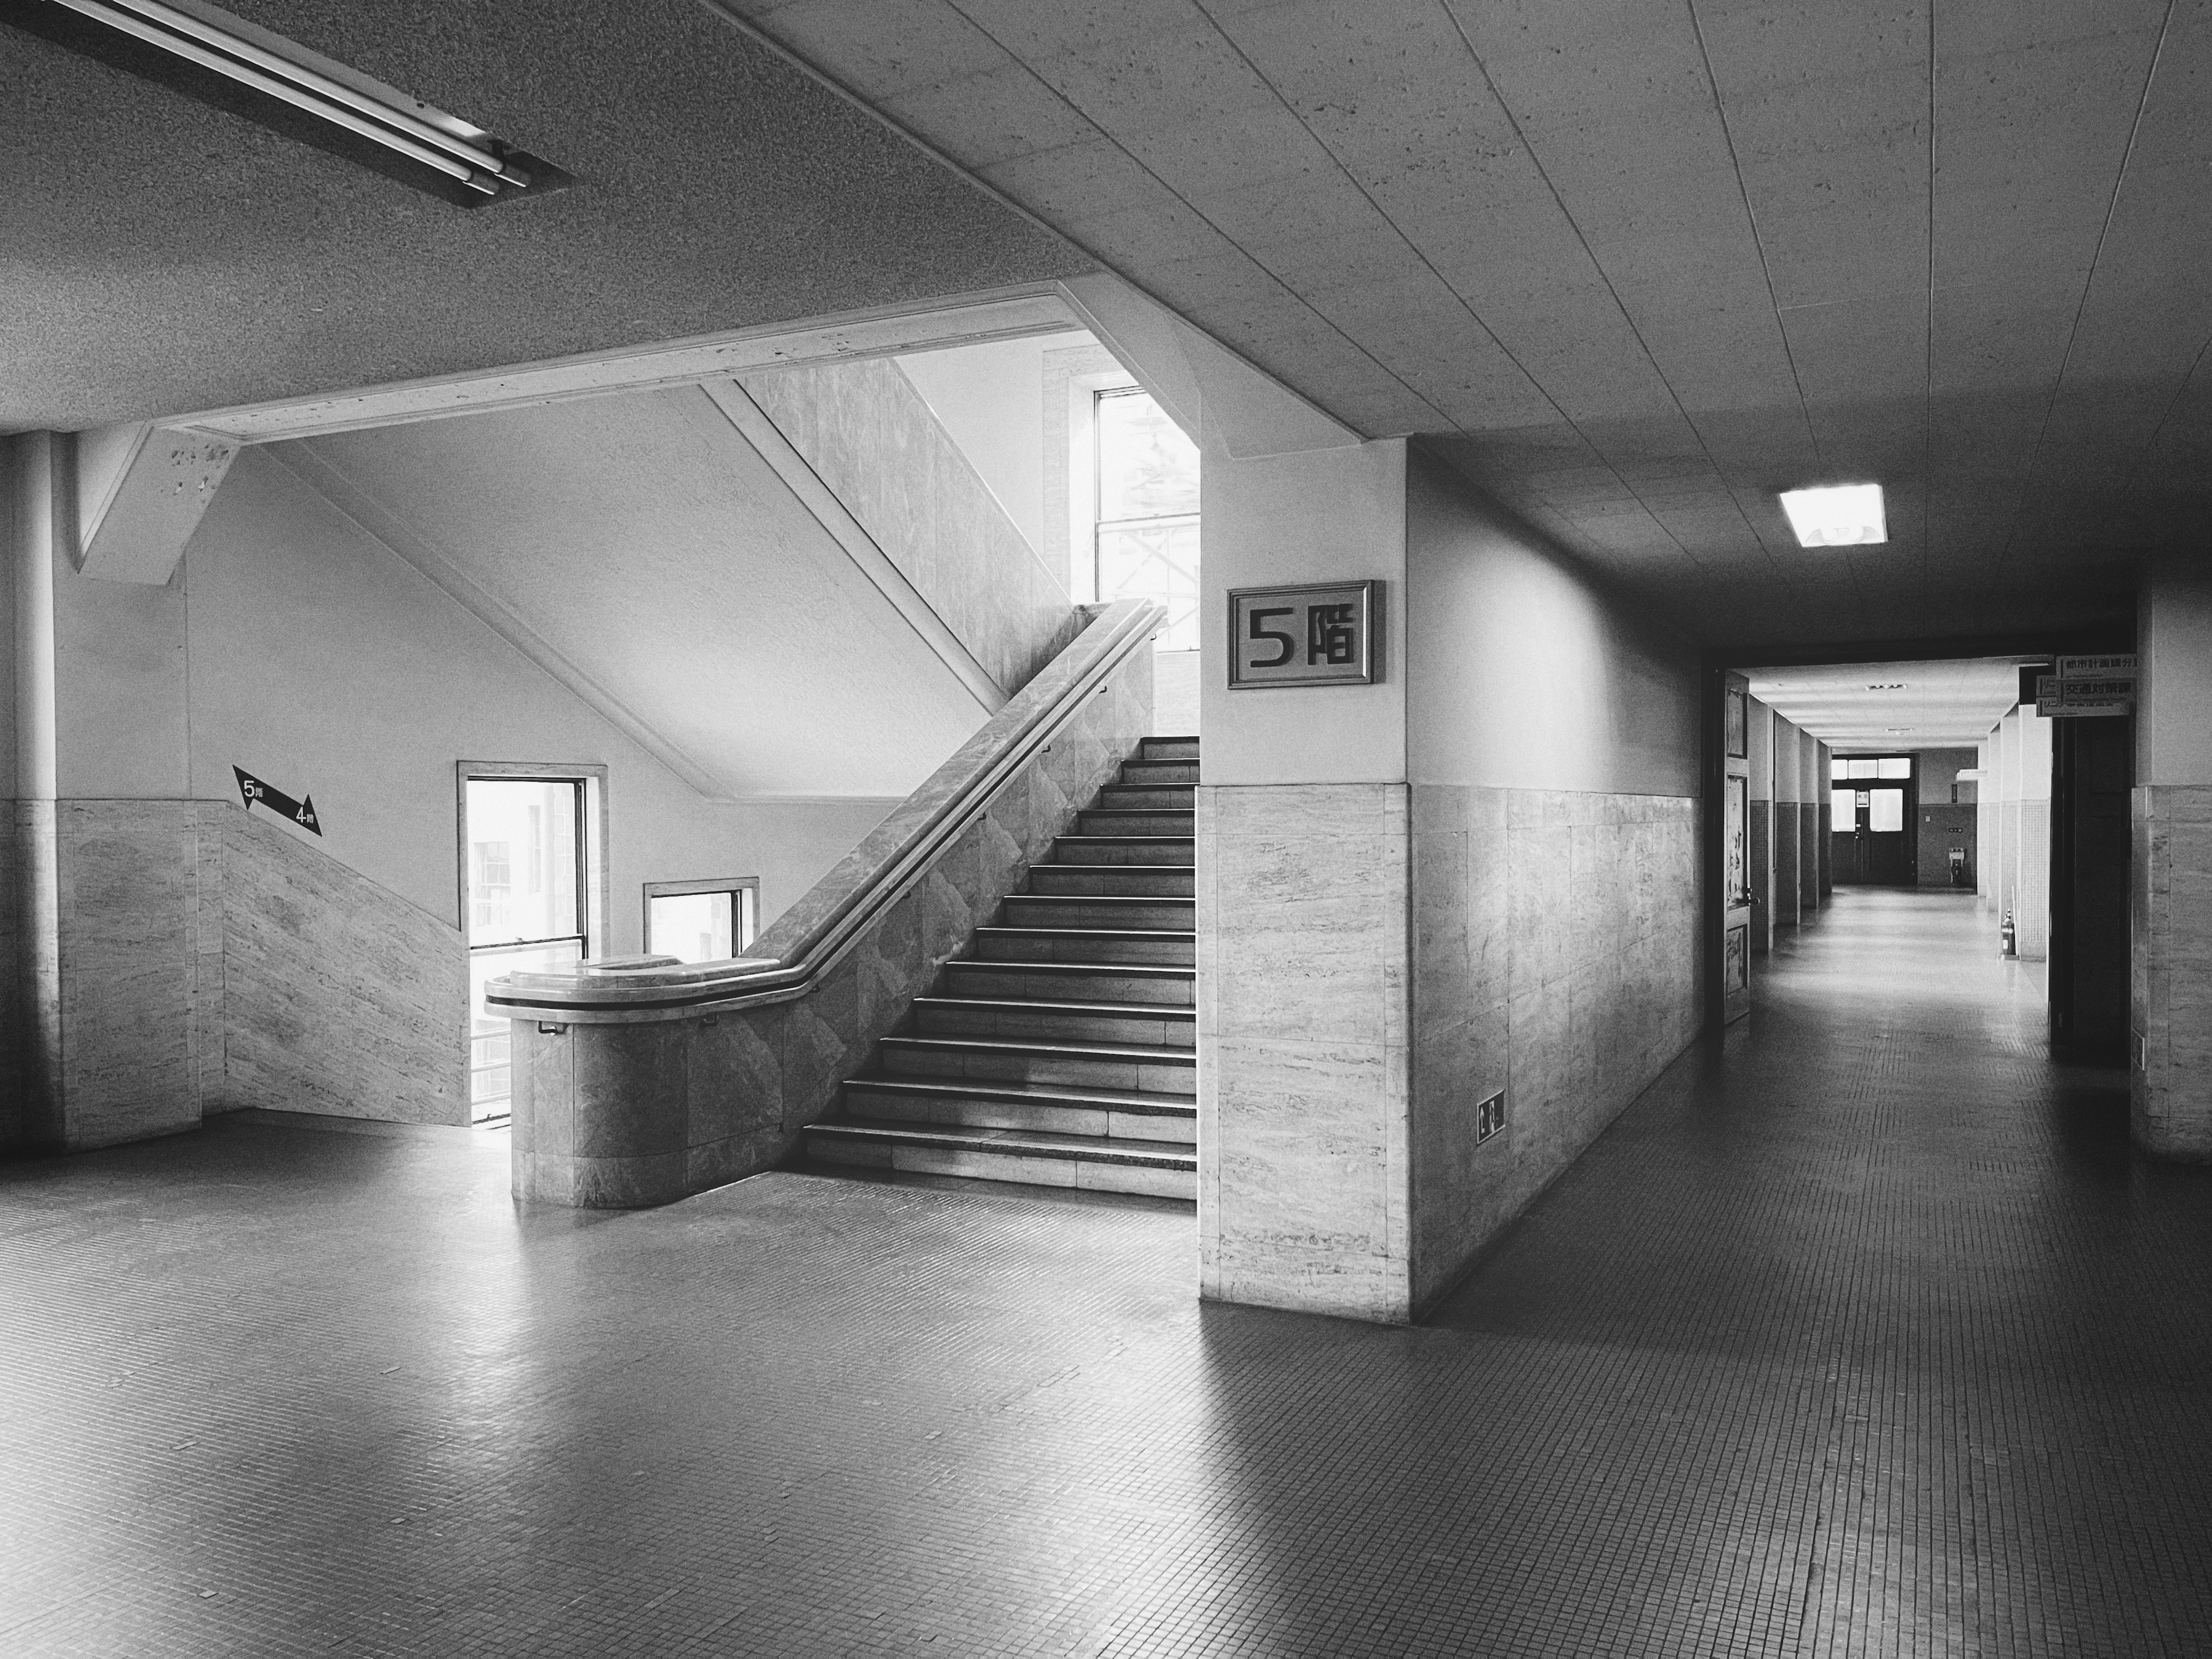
(1863, 1333)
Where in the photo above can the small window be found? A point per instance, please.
(1886, 812)
(1844, 805)
(1894, 766)
(701, 921)
(1862, 769)
(1841, 768)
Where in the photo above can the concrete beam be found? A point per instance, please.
(141, 491)
(1220, 401)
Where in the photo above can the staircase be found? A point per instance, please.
(1062, 1049)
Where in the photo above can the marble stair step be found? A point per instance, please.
(1031, 1018)
(1147, 821)
(1141, 770)
(1146, 797)
(1096, 981)
(1026, 1158)
(1058, 1109)
(1167, 749)
(1099, 910)
(1114, 880)
(1174, 850)
(1139, 1067)
(1162, 947)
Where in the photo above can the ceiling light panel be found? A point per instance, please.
(1836, 515)
(208, 54)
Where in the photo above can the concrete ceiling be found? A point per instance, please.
(663, 566)
(1634, 267)
(160, 256)
(1644, 265)
(1894, 705)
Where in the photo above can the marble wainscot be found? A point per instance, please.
(1375, 961)
(2170, 993)
(638, 1082)
(178, 958)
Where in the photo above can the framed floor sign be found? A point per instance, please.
(1315, 634)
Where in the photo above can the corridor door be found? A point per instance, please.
(1873, 800)
(1736, 848)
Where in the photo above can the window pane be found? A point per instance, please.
(1886, 810)
(1862, 769)
(522, 858)
(1844, 806)
(692, 927)
(1146, 468)
(1154, 561)
(1841, 768)
(1896, 766)
(491, 1082)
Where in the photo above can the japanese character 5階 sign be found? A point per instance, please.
(1321, 634)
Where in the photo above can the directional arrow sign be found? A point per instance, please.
(301, 812)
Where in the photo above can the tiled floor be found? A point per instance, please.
(1867, 1336)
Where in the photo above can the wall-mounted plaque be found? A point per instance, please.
(1321, 634)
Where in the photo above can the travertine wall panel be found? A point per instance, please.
(338, 996)
(1555, 956)
(128, 934)
(1304, 1073)
(871, 437)
(2171, 923)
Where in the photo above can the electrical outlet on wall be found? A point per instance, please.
(1489, 1117)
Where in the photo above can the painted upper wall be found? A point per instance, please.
(1521, 672)
(1332, 515)
(326, 665)
(2174, 715)
(990, 400)
(650, 547)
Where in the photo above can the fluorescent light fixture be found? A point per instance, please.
(1836, 515)
(277, 68)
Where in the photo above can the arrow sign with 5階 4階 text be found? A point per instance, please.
(301, 812)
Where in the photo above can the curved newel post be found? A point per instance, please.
(638, 1080)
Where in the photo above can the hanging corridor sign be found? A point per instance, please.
(301, 812)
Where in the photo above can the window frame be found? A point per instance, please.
(749, 885)
(592, 844)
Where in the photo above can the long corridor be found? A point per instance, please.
(1862, 1332)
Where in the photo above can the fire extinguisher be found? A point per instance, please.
(2011, 940)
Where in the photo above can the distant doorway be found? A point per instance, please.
(529, 851)
(1873, 817)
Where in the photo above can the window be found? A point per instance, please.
(701, 921)
(540, 824)
(1894, 766)
(1843, 806)
(1145, 540)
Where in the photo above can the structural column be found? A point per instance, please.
(104, 896)
(1759, 749)
(1788, 824)
(2170, 907)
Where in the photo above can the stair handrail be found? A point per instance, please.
(809, 938)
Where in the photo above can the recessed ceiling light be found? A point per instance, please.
(194, 48)
(1836, 515)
